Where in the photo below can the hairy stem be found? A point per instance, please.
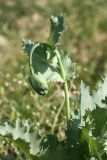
(65, 85)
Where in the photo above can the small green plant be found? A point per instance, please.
(86, 132)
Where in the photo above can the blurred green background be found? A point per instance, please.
(85, 38)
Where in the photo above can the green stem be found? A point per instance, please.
(65, 85)
(67, 100)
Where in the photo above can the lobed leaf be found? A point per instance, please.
(86, 103)
(97, 99)
(69, 67)
(57, 27)
(25, 133)
(36, 147)
(100, 95)
(27, 45)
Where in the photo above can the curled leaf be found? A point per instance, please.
(43, 66)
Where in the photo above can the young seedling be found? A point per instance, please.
(86, 133)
